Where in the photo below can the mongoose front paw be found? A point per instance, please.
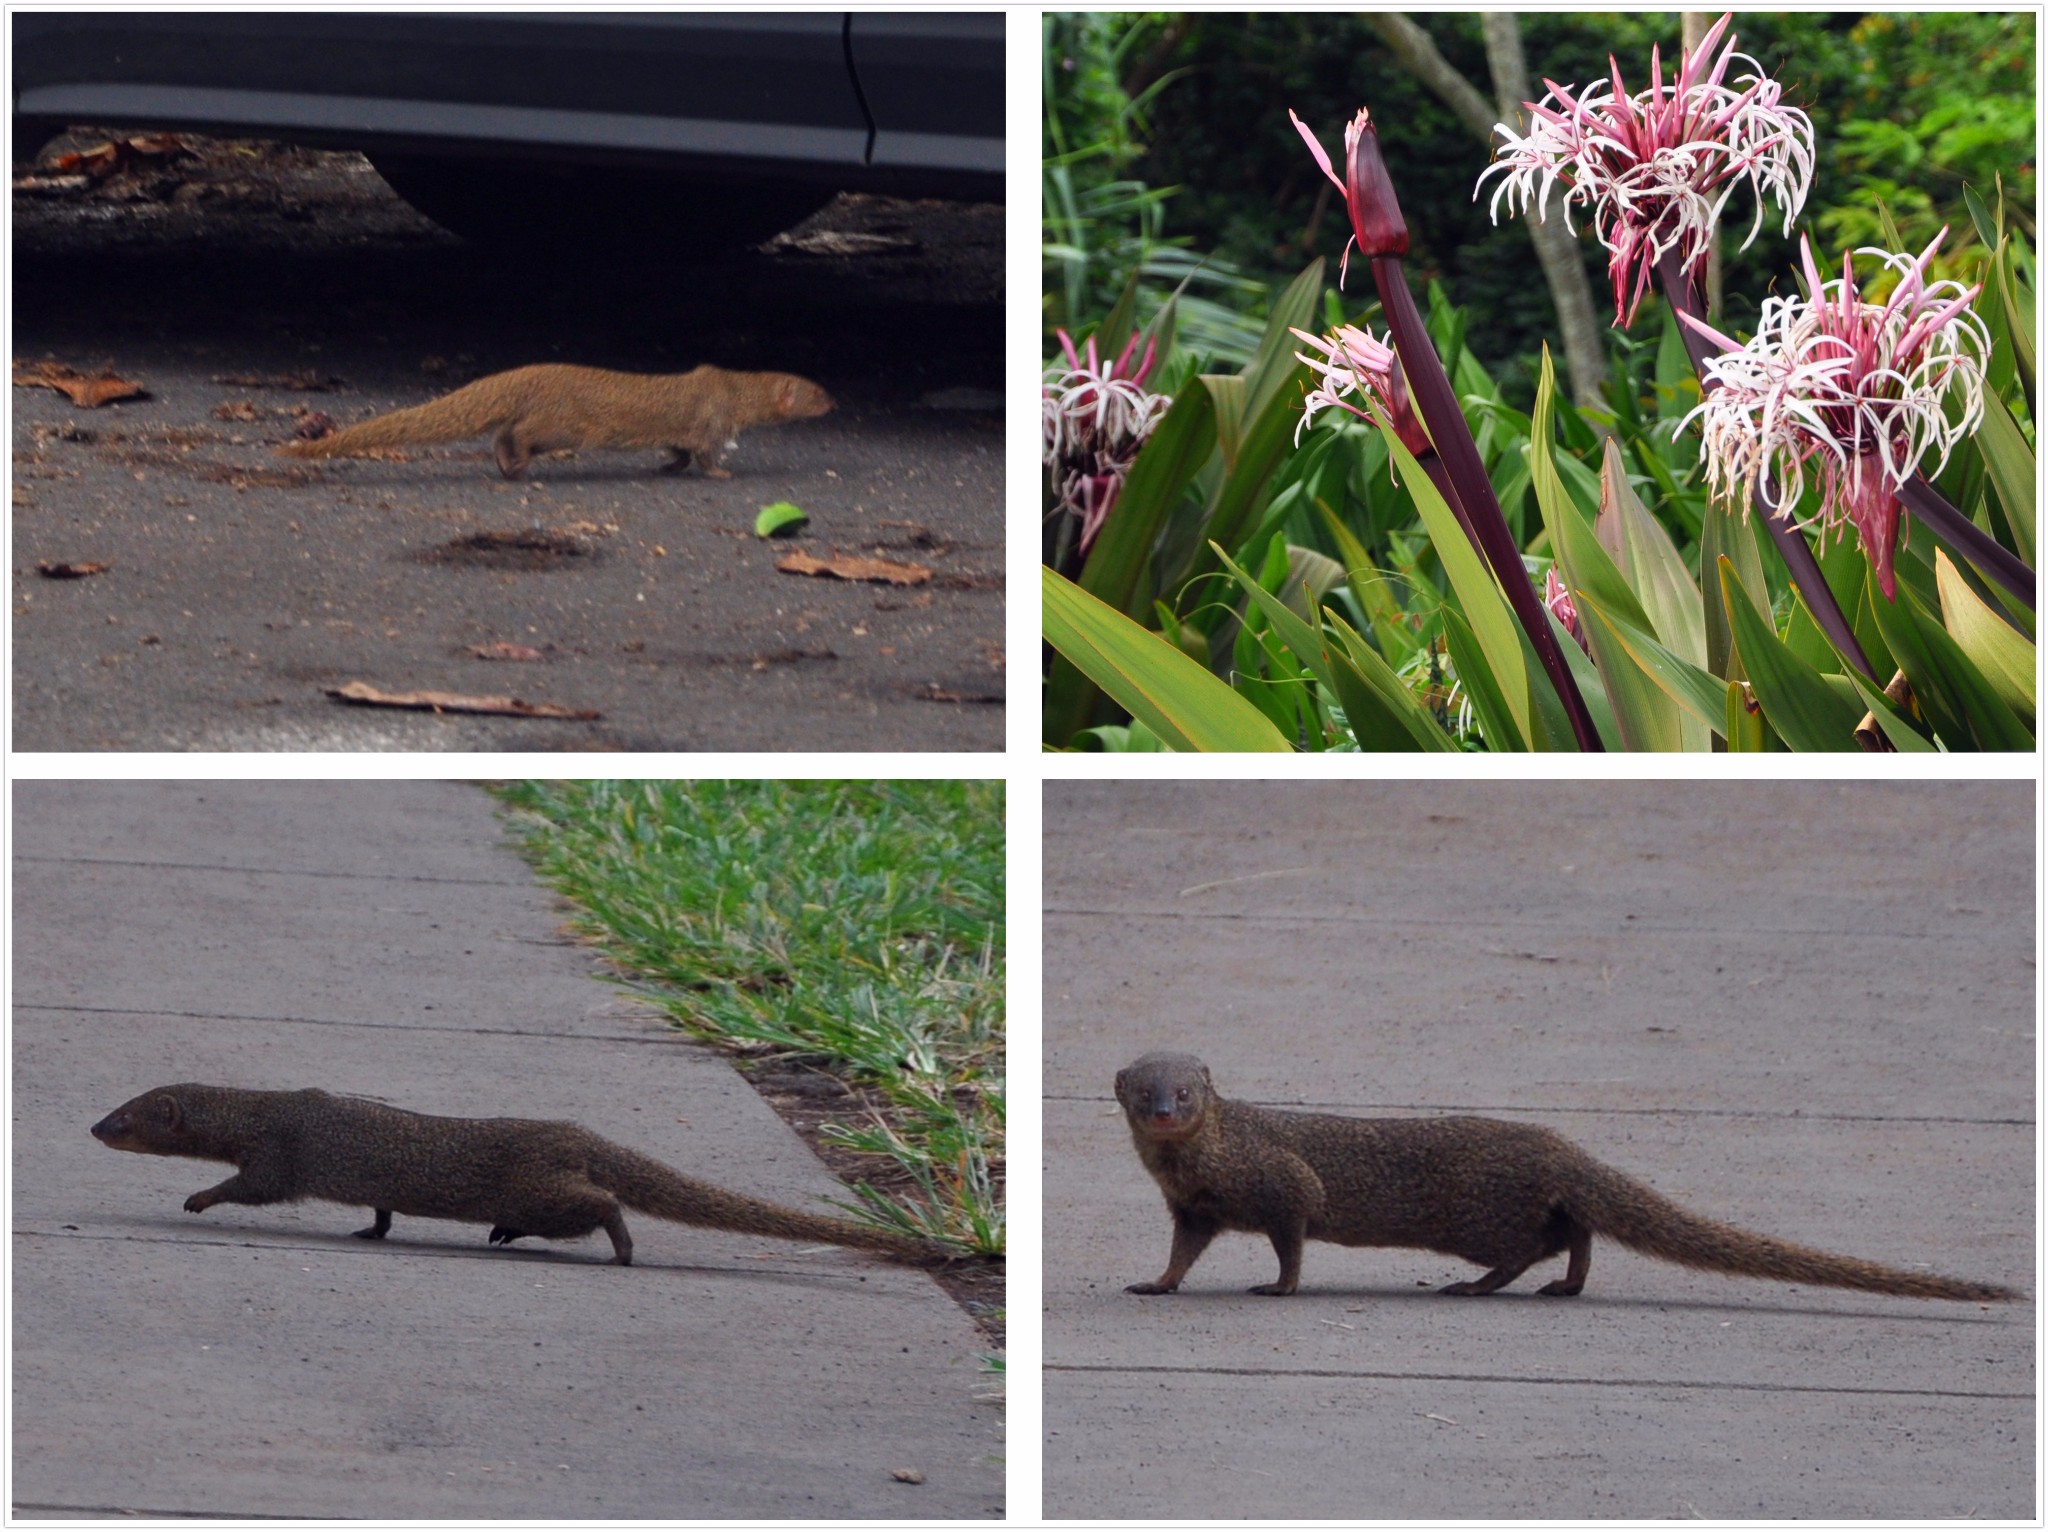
(198, 1202)
(1148, 1288)
(1272, 1289)
(500, 1235)
(1464, 1290)
(1560, 1289)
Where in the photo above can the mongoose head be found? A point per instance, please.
(150, 1124)
(801, 399)
(1164, 1095)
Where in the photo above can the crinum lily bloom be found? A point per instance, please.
(1860, 390)
(1657, 167)
(1095, 418)
(1351, 363)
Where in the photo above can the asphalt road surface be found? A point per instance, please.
(1804, 1008)
(238, 588)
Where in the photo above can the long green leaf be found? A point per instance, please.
(1496, 722)
(1805, 711)
(1644, 714)
(2003, 654)
(1701, 695)
(2009, 462)
(1486, 609)
(1371, 589)
(1398, 702)
(1116, 569)
(1178, 700)
(1725, 533)
(1904, 738)
(1964, 709)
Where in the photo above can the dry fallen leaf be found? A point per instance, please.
(51, 569)
(502, 651)
(907, 1475)
(86, 391)
(844, 568)
(366, 695)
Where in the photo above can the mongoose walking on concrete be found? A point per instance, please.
(545, 1180)
(1502, 1195)
(539, 409)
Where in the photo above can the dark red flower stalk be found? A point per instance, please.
(1382, 236)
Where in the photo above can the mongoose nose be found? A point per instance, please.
(107, 1126)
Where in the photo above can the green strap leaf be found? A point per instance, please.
(1806, 712)
(1963, 708)
(2003, 654)
(1486, 608)
(1178, 700)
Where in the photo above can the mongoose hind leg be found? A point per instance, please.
(1574, 1279)
(1478, 1287)
(678, 460)
(1192, 1233)
(378, 1229)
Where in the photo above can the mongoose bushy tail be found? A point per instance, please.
(549, 1180)
(553, 405)
(1502, 1195)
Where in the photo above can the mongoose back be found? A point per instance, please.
(1502, 1195)
(547, 1180)
(542, 408)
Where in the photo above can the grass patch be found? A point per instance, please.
(853, 926)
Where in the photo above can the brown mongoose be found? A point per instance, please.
(539, 409)
(1503, 1195)
(547, 1180)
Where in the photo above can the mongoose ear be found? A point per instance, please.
(1119, 1085)
(167, 1110)
(786, 394)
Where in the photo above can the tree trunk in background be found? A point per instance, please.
(1585, 352)
(1692, 26)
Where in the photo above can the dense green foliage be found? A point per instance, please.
(1186, 115)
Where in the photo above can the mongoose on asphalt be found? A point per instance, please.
(1502, 1195)
(546, 1180)
(539, 409)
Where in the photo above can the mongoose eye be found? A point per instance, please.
(1181, 1094)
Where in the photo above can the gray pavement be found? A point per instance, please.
(377, 938)
(1807, 1008)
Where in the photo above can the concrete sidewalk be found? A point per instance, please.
(377, 938)
(1805, 1008)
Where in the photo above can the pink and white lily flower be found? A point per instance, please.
(1352, 363)
(1095, 420)
(1657, 167)
(1860, 390)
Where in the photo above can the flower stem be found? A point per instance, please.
(1480, 510)
(1791, 543)
(1945, 521)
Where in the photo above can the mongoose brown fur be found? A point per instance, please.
(540, 409)
(547, 1180)
(1502, 1195)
